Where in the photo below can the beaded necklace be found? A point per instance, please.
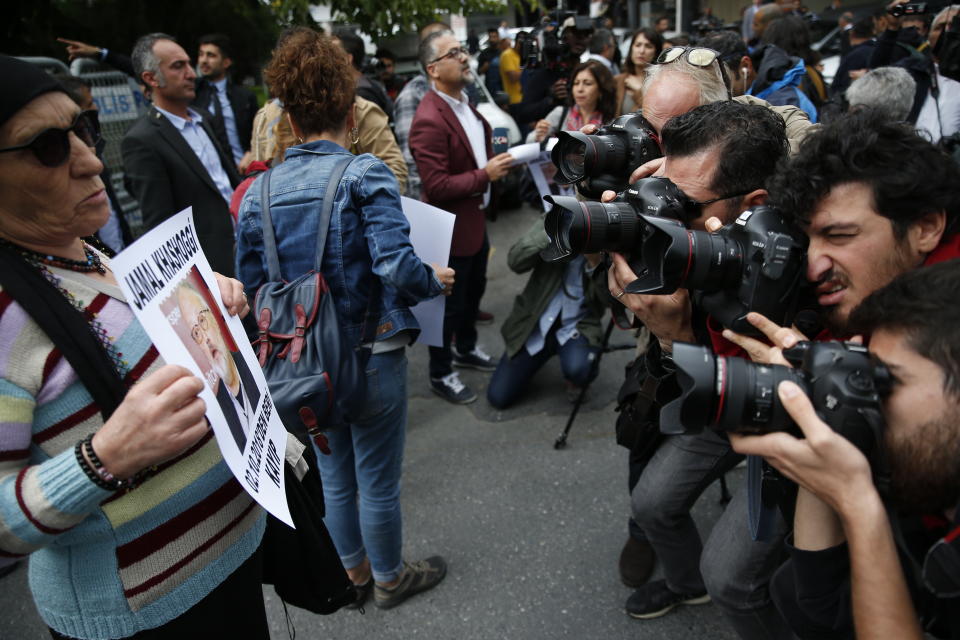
(91, 264)
(39, 261)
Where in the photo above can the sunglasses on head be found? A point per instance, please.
(52, 146)
(696, 56)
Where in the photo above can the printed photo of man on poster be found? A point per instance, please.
(200, 325)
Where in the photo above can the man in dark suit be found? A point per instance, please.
(226, 370)
(451, 144)
(232, 106)
(171, 155)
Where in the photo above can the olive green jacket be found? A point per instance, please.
(544, 282)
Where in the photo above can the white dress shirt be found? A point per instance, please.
(473, 127)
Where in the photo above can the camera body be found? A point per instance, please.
(757, 263)
(604, 160)
(729, 394)
(908, 9)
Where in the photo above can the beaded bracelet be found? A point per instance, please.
(87, 469)
(99, 474)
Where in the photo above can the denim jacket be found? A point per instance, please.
(368, 238)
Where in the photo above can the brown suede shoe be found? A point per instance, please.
(417, 577)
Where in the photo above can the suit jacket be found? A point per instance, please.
(249, 387)
(244, 105)
(164, 174)
(449, 175)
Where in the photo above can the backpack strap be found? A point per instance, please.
(326, 209)
(269, 239)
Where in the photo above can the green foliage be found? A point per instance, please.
(385, 18)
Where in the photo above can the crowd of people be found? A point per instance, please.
(111, 481)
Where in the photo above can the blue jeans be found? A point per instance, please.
(365, 463)
(510, 379)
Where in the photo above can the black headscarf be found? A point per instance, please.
(21, 82)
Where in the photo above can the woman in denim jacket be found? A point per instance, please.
(368, 239)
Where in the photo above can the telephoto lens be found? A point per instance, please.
(576, 226)
(725, 393)
(605, 160)
(730, 394)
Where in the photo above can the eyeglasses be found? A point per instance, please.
(52, 146)
(696, 56)
(456, 52)
(200, 329)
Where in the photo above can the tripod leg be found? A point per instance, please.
(561, 440)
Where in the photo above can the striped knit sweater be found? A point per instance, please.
(106, 565)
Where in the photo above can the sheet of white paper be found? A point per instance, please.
(173, 293)
(543, 172)
(525, 152)
(431, 232)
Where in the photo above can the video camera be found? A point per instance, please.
(908, 9)
(603, 161)
(756, 263)
(553, 53)
(730, 394)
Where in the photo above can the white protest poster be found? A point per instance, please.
(431, 232)
(173, 293)
(544, 172)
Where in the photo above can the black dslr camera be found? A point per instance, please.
(580, 226)
(604, 161)
(755, 264)
(554, 54)
(729, 394)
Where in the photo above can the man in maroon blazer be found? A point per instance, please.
(450, 142)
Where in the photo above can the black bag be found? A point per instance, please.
(316, 378)
(302, 564)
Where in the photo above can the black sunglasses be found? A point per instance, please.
(52, 146)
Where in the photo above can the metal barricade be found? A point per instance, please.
(120, 103)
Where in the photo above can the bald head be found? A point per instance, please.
(668, 95)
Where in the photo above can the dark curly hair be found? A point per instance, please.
(751, 139)
(908, 175)
(653, 38)
(923, 304)
(311, 76)
(607, 100)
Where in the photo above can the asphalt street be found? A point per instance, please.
(531, 534)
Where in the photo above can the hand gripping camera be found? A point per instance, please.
(604, 161)
(842, 380)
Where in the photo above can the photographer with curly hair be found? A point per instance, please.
(876, 200)
(368, 241)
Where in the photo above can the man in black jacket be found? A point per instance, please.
(172, 157)
(232, 106)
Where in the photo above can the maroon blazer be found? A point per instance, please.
(449, 175)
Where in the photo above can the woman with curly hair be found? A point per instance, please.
(645, 45)
(367, 248)
(594, 102)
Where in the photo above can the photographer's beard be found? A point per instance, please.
(925, 464)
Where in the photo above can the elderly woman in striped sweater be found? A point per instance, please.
(118, 493)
